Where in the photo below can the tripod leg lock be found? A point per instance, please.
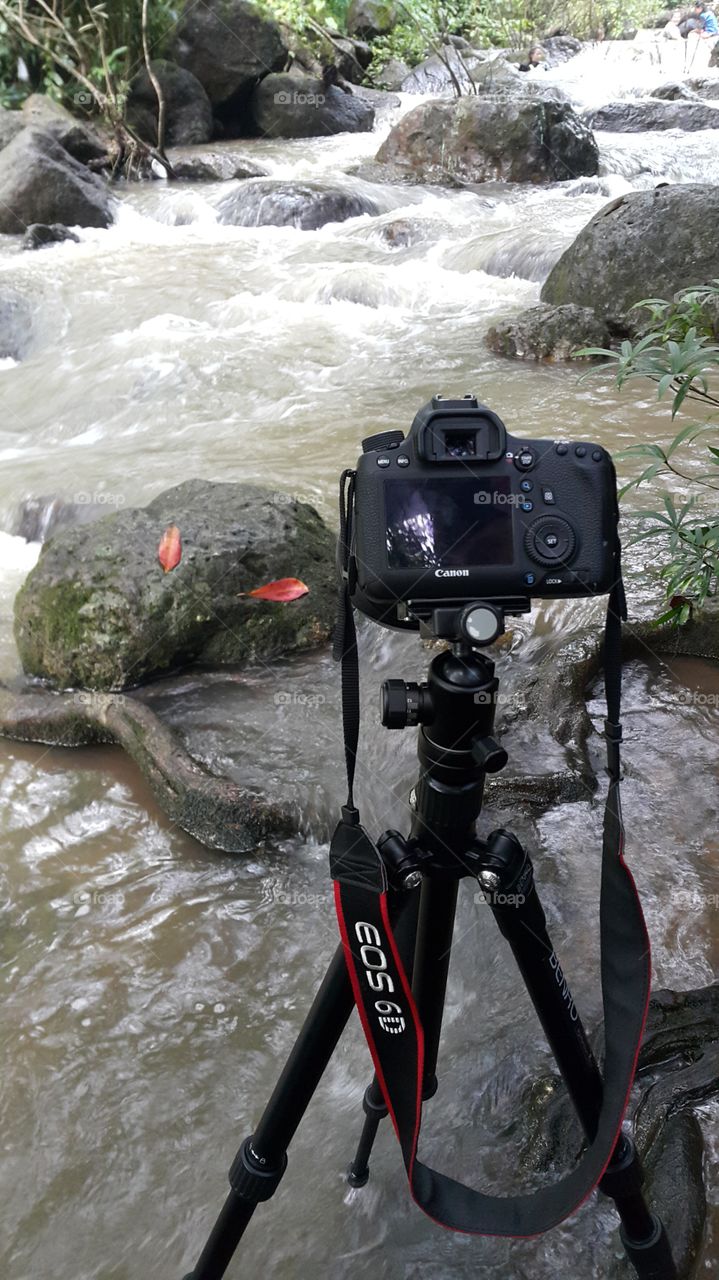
(250, 1180)
(624, 1175)
(652, 1259)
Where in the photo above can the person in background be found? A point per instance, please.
(671, 30)
(708, 19)
(535, 58)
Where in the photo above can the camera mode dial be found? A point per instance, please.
(383, 440)
(550, 540)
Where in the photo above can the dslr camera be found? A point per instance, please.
(459, 511)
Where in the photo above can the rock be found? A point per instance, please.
(39, 518)
(221, 814)
(350, 57)
(489, 139)
(371, 18)
(11, 122)
(40, 234)
(188, 108)
(40, 182)
(438, 74)
(646, 114)
(216, 165)
(16, 326)
(549, 333)
(304, 205)
(292, 106)
(704, 88)
(391, 75)
(228, 45)
(98, 612)
(561, 49)
(674, 91)
(714, 59)
(82, 142)
(646, 244)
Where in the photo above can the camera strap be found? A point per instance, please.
(387, 1009)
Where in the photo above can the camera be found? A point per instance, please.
(459, 511)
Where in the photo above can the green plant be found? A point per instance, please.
(678, 354)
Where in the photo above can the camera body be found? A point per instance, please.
(461, 511)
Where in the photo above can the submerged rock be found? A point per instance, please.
(647, 244)
(216, 165)
(490, 139)
(39, 234)
(304, 205)
(228, 45)
(41, 182)
(294, 106)
(188, 108)
(548, 333)
(98, 612)
(644, 115)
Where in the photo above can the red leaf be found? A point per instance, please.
(283, 589)
(169, 552)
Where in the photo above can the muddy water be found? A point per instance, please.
(151, 988)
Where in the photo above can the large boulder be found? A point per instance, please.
(559, 49)
(11, 122)
(99, 612)
(490, 139)
(81, 141)
(292, 106)
(548, 333)
(40, 182)
(644, 244)
(441, 74)
(371, 18)
(188, 108)
(271, 202)
(649, 114)
(228, 45)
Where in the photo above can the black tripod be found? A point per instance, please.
(455, 752)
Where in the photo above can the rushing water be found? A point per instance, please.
(151, 988)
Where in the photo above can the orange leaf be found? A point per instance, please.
(169, 552)
(283, 589)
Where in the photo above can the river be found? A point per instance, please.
(151, 989)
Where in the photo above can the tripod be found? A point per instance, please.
(456, 750)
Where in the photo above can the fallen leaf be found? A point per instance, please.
(169, 552)
(282, 590)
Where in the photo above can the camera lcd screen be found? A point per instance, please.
(449, 523)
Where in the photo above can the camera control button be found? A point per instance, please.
(550, 540)
(548, 497)
(383, 440)
(581, 451)
(527, 505)
(383, 460)
(530, 579)
(526, 486)
(597, 455)
(402, 460)
(524, 460)
(562, 448)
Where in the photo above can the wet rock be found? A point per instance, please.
(16, 325)
(371, 18)
(548, 333)
(292, 106)
(646, 114)
(228, 45)
(41, 182)
(391, 75)
(350, 57)
(304, 205)
(212, 166)
(98, 612)
(442, 74)
(714, 59)
(560, 49)
(489, 139)
(39, 518)
(219, 813)
(704, 88)
(11, 122)
(642, 245)
(39, 234)
(674, 91)
(81, 141)
(188, 108)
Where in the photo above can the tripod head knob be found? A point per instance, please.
(403, 704)
(488, 754)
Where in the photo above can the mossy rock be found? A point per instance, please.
(98, 611)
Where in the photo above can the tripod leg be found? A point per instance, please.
(426, 955)
(507, 878)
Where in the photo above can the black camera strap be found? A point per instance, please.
(386, 1007)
